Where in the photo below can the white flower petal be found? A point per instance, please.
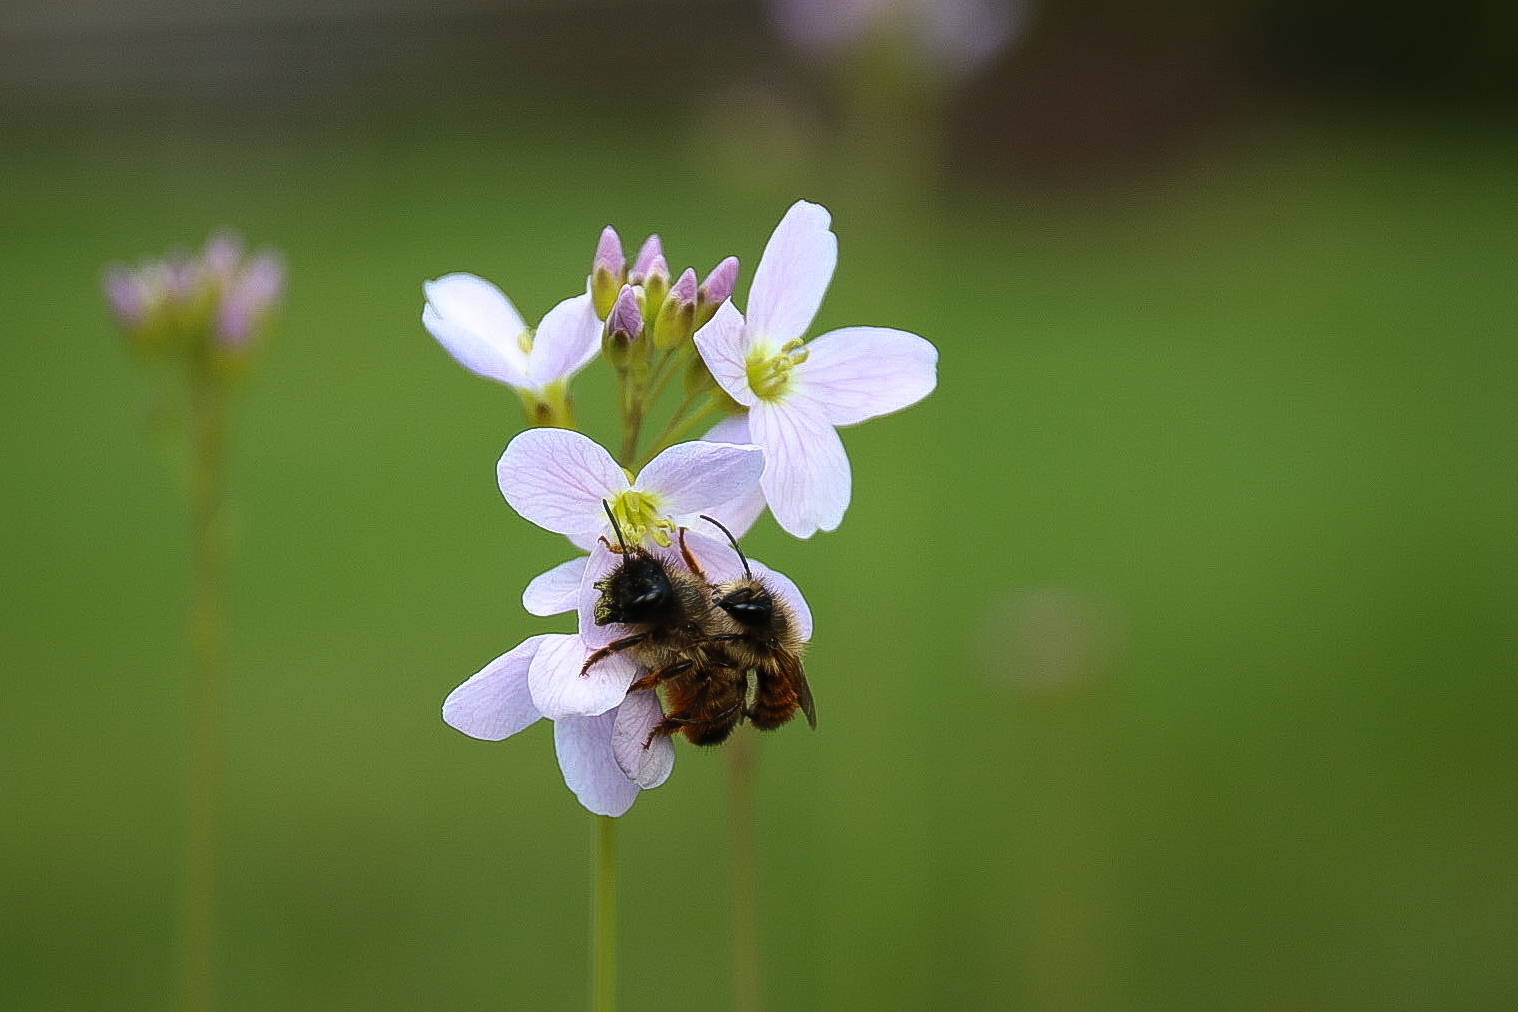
(557, 479)
(559, 690)
(862, 372)
(793, 274)
(723, 344)
(590, 769)
(556, 591)
(495, 702)
(478, 326)
(806, 476)
(739, 514)
(688, 478)
(648, 766)
(567, 339)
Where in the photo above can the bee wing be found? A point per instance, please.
(789, 667)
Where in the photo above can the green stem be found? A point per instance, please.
(662, 374)
(744, 858)
(603, 920)
(677, 428)
(196, 983)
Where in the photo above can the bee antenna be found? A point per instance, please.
(733, 541)
(614, 525)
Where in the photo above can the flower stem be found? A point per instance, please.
(678, 427)
(603, 919)
(744, 857)
(196, 972)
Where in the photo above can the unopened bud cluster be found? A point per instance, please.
(649, 321)
(210, 309)
(644, 311)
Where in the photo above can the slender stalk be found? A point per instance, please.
(677, 428)
(196, 974)
(744, 856)
(603, 919)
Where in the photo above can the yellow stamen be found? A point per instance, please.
(770, 374)
(639, 517)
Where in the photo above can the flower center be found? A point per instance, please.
(638, 516)
(770, 374)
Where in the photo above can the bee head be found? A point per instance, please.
(638, 590)
(748, 603)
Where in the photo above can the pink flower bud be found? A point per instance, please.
(652, 250)
(719, 284)
(608, 272)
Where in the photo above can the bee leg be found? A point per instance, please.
(653, 678)
(690, 560)
(615, 646)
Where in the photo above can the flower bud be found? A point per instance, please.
(222, 254)
(608, 272)
(651, 248)
(127, 294)
(249, 296)
(655, 286)
(676, 320)
(624, 327)
(716, 289)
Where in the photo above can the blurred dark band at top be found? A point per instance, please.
(1070, 83)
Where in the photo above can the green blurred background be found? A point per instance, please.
(1165, 660)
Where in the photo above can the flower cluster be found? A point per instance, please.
(211, 308)
(778, 448)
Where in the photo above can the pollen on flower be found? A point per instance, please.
(769, 375)
(524, 340)
(638, 517)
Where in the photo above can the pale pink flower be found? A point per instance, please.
(797, 394)
(559, 479)
(602, 756)
(483, 331)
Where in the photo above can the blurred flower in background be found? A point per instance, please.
(942, 37)
(212, 307)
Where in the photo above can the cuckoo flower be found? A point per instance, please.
(602, 756)
(796, 394)
(483, 331)
(565, 482)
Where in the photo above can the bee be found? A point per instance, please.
(758, 634)
(670, 610)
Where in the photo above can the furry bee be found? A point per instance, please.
(759, 634)
(671, 611)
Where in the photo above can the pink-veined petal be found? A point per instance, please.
(862, 372)
(556, 591)
(739, 514)
(793, 274)
(559, 690)
(557, 479)
(567, 339)
(648, 767)
(691, 477)
(723, 344)
(495, 702)
(806, 476)
(589, 767)
(478, 326)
